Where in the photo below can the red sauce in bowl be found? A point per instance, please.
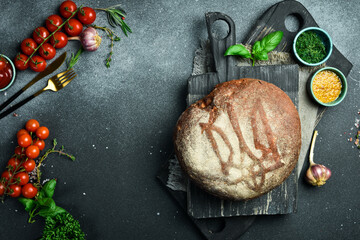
(6, 72)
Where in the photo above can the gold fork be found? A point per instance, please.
(55, 83)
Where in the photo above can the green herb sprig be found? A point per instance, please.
(62, 226)
(60, 151)
(113, 37)
(116, 17)
(260, 48)
(74, 58)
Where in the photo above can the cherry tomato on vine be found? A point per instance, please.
(40, 143)
(31, 125)
(19, 150)
(67, 8)
(21, 132)
(23, 178)
(29, 191)
(37, 64)
(53, 22)
(15, 190)
(32, 151)
(7, 175)
(86, 15)
(73, 27)
(59, 40)
(29, 165)
(28, 46)
(20, 60)
(47, 51)
(14, 162)
(2, 188)
(24, 140)
(40, 34)
(42, 132)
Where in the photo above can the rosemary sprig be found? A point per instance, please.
(113, 37)
(74, 58)
(116, 16)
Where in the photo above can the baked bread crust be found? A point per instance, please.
(240, 141)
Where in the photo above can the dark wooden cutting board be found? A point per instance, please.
(201, 204)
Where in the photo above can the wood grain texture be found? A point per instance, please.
(280, 200)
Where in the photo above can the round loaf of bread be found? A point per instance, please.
(240, 141)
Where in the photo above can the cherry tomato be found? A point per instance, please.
(40, 34)
(23, 178)
(7, 175)
(3, 63)
(32, 151)
(20, 60)
(21, 132)
(19, 150)
(73, 27)
(14, 162)
(42, 132)
(40, 143)
(86, 15)
(6, 72)
(67, 8)
(29, 191)
(37, 64)
(28, 46)
(29, 165)
(15, 190)
(24, 140)
(53, 22)
(59, 40)
(47, 51)
(31, 125)
(2, 188)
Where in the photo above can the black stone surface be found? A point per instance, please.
(118, 122)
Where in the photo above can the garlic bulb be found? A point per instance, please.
(317, 174)
(90, 39)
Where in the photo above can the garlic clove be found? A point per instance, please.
(317, 175)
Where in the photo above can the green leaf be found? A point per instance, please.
(49, 188)
(29, 204)
(270, 41)
(48, 212)
(256, 48)
(47, 202)
(238, 50)
(261, 56)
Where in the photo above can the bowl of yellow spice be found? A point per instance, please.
(328, 86)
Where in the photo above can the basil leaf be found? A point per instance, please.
(48, 212)
(238, 50)
(49, 188)
(261, 56)
(29, 204)
(256, 48)
(270, 41)
(47, 202)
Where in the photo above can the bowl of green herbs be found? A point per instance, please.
(312, 46)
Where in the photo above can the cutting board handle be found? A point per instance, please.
(223, 65)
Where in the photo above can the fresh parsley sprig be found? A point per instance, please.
(260, 48)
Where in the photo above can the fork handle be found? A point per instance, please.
(19, 104)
